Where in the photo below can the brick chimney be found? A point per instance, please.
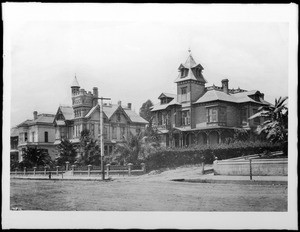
(35, 113)
(129, 105)
(225, 86)
(119, 103)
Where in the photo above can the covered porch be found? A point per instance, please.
(179, 137)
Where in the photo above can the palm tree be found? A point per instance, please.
(128, 152)
(136, 148)
(275, 127)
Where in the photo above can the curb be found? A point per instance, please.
(53, 179)
(251, 182)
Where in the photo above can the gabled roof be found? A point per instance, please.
(134, 117)
(168, 95)
(67, 112)
(109, 111)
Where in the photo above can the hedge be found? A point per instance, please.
(175, 157)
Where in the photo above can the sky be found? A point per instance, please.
(132, 52)
(136, 59)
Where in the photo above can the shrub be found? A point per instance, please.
(175, 157)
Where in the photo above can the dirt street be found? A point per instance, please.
(145, 194)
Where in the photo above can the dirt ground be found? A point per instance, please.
(146, 193)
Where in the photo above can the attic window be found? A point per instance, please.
(118, 117)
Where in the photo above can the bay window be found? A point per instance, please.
(160, 119)
(212, 114)
(185, 118)
(217, 115)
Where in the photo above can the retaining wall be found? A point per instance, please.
(259, 167)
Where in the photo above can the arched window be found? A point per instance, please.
(46, 137)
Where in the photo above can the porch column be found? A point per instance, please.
(171, 140)
(207, 138)
(219, 133)
(195, 138)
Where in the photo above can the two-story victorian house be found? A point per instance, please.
(39, 132)
(84, 114)
(203, 115)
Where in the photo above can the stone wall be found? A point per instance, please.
(259, 167)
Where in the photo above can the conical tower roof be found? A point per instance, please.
(75, 82)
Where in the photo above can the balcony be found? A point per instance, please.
(216, 124)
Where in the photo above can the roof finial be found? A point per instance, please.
(189, 50)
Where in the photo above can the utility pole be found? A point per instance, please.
(101, 136)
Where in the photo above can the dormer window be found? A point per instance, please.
(255, 97)
(198, 72)
(183, 72)
(164, 100)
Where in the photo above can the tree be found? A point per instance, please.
(90, 151)
(275, 126)
(129, 151)
(34, 157)
(136, 148)
(145, 111)
(67, 152)
(14, 163)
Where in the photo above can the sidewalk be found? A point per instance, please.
(211, 178)
(59, 177)
(165, 176)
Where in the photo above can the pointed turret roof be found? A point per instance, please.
(191, 73)
(75, 82)
(190, 62)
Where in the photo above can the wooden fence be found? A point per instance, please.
(88, 170)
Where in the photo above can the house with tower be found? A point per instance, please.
(200, 114)
(119, 121)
